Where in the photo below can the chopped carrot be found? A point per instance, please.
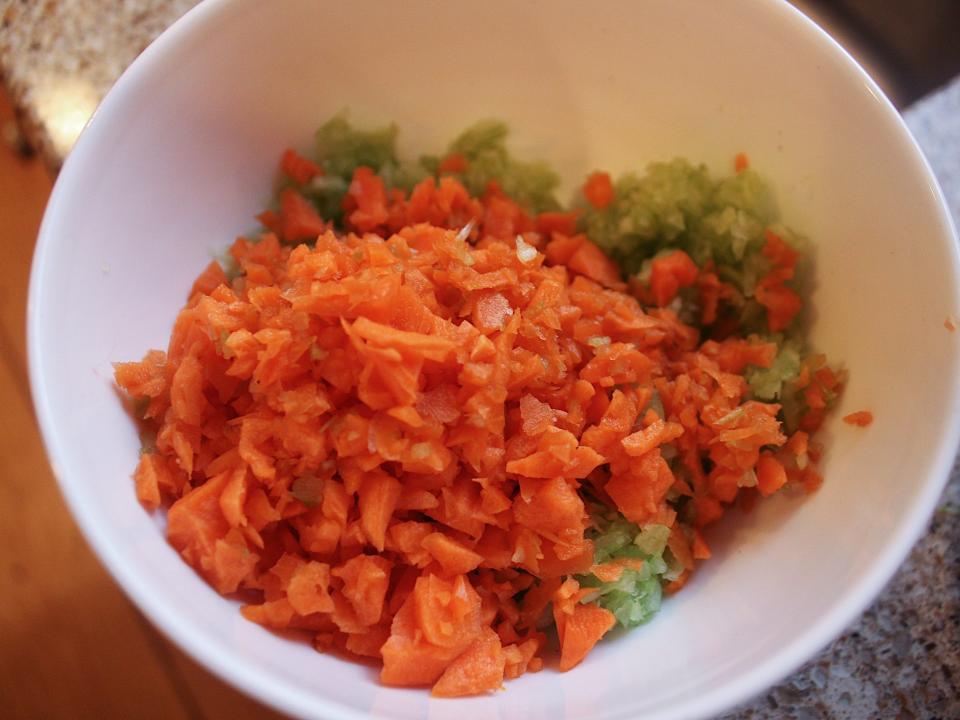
(740, 162)
(782, 304)
(598, 190)
(308, 590)
(379, 494)
(564, 223)
(389, 436)
(454, 557)
(770, 475)
(699, 547)
(590, 261)
(447, 611)
(298, 218)
(781, 301)
(612, 570)
(209, 280)
(798, 443)
(147, 483)
(366, 200)
(581, 630)
(271, 220)
(677, 585)
(563, 247)
(669, 273)
(453, 163)
(476, 670)
(861, 418)
(366, 579)
(409, 659)
(298, 168)
(811, 479)
(655, 434)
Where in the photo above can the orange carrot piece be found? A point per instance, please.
(276, 614)
(637, 494)
(581, 631)
(418, 344)
(590, 261)
(408, 658)
(699, 547)
(782, 304)
(612, 570)
(680, 547)
(654, 435)
(454, 557)
(299, 219)
(477, 670)
(771, 475)
(146, 378)
(379, 494)
(563, 247)
(861, 418)
(598, 190)
(369, 200)
(564, 223)
(233, 498)
(366, 579)
(147, 484)
(298, 168)
(447, 611)
(308, 589)
(209, 280)
(453, 163)
(669, 273)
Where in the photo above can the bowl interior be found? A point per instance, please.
(182, 153)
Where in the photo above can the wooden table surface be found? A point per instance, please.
(71, 644)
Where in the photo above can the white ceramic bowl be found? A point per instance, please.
(182, 152)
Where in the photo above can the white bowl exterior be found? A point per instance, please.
(182, 152)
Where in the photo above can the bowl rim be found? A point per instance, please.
(288, 698)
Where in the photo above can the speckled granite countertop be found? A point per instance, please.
(901, 659)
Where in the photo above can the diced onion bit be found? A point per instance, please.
(465, 231)
(526, 253)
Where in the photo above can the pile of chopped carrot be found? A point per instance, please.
(388, 435)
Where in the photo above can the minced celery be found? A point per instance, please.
(635, 596)
(341, 148)
(483, 145)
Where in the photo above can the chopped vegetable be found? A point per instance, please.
(298, 168)
(432, 414)
(861, 418)
(598, 190)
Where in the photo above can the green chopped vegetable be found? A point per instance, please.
(652, 539)
(678, 205)
(532, 184)
(341, 148)
(768, 383)
(635, 596)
